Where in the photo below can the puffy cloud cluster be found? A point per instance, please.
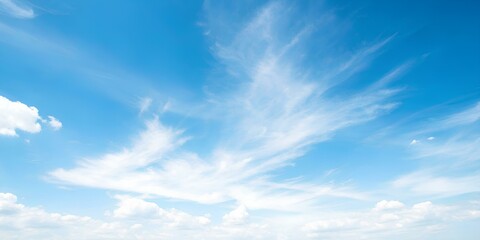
(19, 116)
(22, 222)
(136, 208)
(136, 218)
(133, 218)
(390, 219)
(237, 216)
(54, 123)
(385, 204)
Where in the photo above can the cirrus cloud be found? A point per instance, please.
(17, 9)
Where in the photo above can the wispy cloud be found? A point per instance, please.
(270, 118)
(236, 216)
(435, 183)
(468, 116)
(17, 9)
(453, 155)
(460, 137)
(272, 110)
(145, 104)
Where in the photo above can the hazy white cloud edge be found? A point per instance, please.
(17, 9)
(144, 104)
(467, 116)
(136, 218)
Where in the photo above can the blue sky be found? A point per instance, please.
(239, 120)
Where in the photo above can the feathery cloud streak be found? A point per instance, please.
(454, 156)
(17, 9)
(271, 116)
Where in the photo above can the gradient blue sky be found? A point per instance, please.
(239, 119)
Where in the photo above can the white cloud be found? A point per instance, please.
(452, 160)
(54, 123)
(414, 141)
(16, 8)
(399, 222)
(145, 104)
(270, 118)
(468, 116)
(385, 205)
(136, 208)
(274, 115)
(18, 116)
(437, 183)
(460, 137)
(460, 120)
(236, 216)
(22, 222)
(136, 218)
(133, 219)
(129, 207)
(153, 165)
(459, 149)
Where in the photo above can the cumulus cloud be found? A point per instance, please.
(18, 221)
(18, 116)
(135, 208)
(137, 218)
(129, 207)
(236, 216)
(23, 222)
(54, 123)
(385, 205)
(424, 217)
(17, 9)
